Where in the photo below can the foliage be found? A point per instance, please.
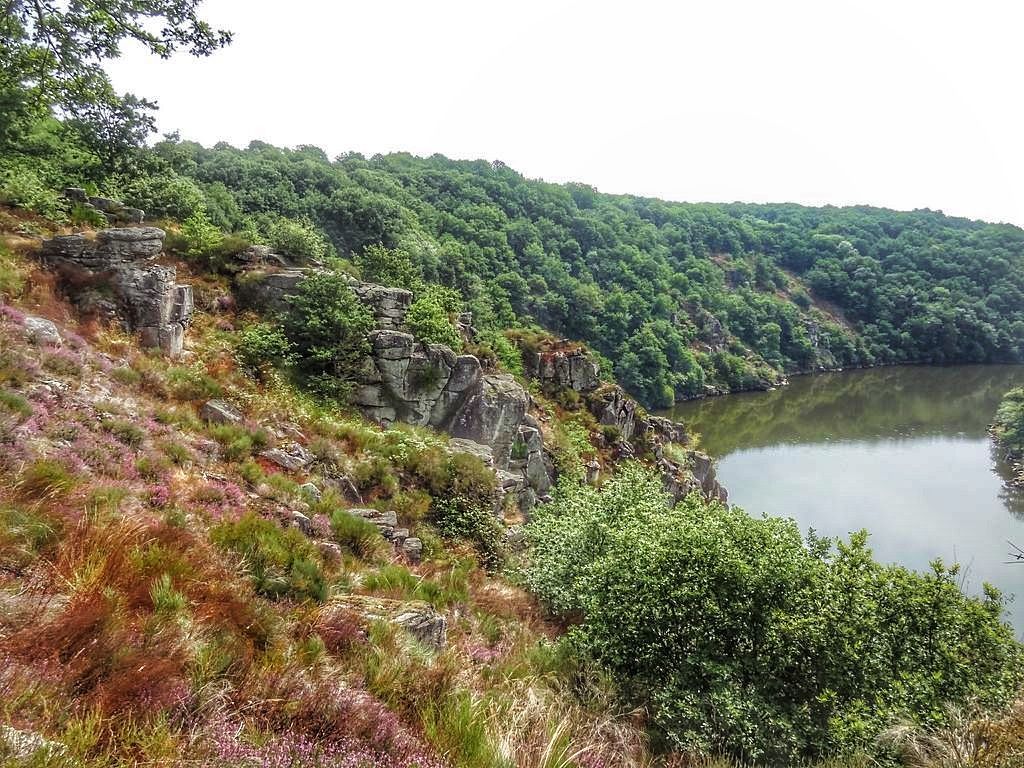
(261, 347)
(430, 317)
(297, 239)
(356, 534)
(388, 266)
(52, 54)
(461, 517)
(328, 325)
(1009, 422)
(202, 238)
(23, 188)
(280, 562)
(746, 640)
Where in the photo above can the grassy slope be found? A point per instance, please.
(130, 636)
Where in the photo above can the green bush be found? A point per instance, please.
(740, 638)
(124, 431)
(327, 326)
(462, 517)
(429, 317)
(238, 442)
(203, 240)
(388, 266)
(165, 195)
(23, 188)
(1009, 422)
(360, 537)
(261, 347)
(280, 562)
(298, 239)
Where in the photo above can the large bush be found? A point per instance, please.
(430, 317)
(742, 638)
(327, 326)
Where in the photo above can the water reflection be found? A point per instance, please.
(878, 403)
(900, 451)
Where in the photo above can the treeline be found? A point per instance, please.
(684, 298)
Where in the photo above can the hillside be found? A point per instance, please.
(213, 553)
(686, 299)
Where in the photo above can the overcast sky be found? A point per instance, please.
(900, 104)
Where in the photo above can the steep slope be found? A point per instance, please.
(685, 299)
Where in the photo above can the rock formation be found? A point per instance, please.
(113, 276)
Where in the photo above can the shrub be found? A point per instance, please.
(203, 240)
(124, 431)
(165, 194)
(13, 273)
(298, 239)
(460, 517)
(429, 317)
(745, 640)
(328, 326)
(388, 266)
(23, 188)
(360, 537)
(279, 562)
(238, 442)
(262, 346)
(15, 403)
(504, 351)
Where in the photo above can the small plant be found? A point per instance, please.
(45, 479)
(203, 239)
(124, 431)
(360, 537)
(279, 562)
(15, 404)
(262, 347)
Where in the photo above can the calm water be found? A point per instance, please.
(900, 451)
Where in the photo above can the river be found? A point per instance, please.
(901, 451)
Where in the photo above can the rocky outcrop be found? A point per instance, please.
(417, 618)
(389, 305)
(268, 289)
(107, 208)
(112, 275)
(565, 366)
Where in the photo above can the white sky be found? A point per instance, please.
(903, 104)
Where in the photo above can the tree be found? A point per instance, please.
(739, 637)
(327, 325)
(429, 317)
(1009, 422)
(52, 54)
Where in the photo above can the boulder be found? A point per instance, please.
(311, 490)
(129, 243)
(417, 618)
(388, 304)
(220, 412)
(491, 414)
(412, 548)
(564, 366)
(39, 330)
(290, 456)
(268, 291)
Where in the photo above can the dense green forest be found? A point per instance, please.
(684, 298)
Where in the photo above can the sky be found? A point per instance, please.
(901, 104)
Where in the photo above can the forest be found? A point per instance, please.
(686, 299)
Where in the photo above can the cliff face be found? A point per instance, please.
(406, 380)
(113, 276)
